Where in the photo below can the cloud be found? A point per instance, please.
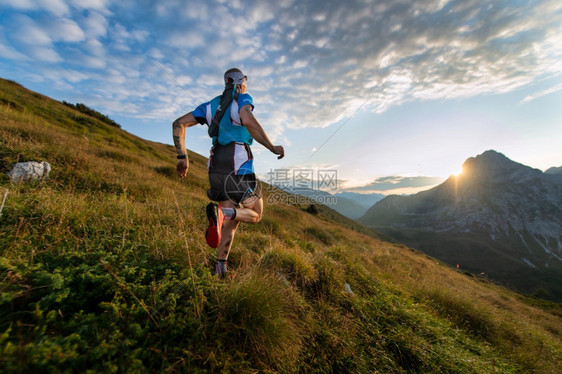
(56, 7)
(28, 32)
(196, 13)
(65, 30)
(66, 75)
(46, 54)
(188, 39)
(400, 182)
(7, 51)
(95, 25)
(123, 38)
(310, 63)
(46, 30)
(37, 38)
(453, 49)
(95, 47)
(18, 4)
(545, 92)
(99, 5)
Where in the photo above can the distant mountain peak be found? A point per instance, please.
(492, 165)
(554, 170)
(489, 160)
(492, 154)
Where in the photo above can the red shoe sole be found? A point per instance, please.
(213, 233)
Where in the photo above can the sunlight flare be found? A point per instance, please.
(459, 172)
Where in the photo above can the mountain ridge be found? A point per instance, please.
(349, 204)
(507, 209)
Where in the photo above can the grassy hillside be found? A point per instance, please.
(475, 254)
(103, 267)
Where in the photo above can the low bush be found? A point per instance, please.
(263, 318)
(294, 264)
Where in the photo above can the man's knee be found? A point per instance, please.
(257, 217)
(256, 211)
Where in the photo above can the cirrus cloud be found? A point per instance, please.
(310, 63)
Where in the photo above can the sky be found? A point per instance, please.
(390, 95)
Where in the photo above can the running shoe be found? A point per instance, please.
(213, 233)
(220, 269)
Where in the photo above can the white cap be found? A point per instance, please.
(235, 75)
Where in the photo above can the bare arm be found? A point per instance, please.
(257, 132)
(178, 131)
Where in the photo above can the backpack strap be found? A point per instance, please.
(227, 96)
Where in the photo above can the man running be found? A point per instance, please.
(231, 173)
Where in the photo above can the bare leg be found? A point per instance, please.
(228, 230)
(249, 213)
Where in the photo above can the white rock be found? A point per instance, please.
(29, 171)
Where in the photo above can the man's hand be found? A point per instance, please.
(278, 150)
(182, 167)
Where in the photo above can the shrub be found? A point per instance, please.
(261, 316)
(293, 264)
(322, 235)
(465, 314)
(114, 155)
(312, 209)
(167, 171)
(331, 278)
(93, 113)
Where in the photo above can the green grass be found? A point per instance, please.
(104, 268)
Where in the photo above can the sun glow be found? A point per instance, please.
(458, 173)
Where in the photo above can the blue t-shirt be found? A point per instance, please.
(231, 128)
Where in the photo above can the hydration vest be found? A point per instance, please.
(226, 129)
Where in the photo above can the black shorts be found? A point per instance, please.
(227, 180)
(236, 188)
